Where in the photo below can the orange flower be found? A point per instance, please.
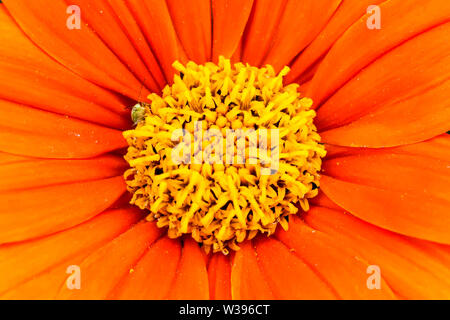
(382, 101)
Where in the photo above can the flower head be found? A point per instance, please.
(227, 197)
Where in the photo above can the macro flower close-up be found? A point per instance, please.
(224, 149)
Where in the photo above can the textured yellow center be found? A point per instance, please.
(250, 154)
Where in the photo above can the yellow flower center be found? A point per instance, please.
(224, 153)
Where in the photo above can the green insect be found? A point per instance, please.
(137, 113)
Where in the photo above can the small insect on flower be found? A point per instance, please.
(137, 113)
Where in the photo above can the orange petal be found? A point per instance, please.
(192, 22)
(100, 16)
(32, 213)
(346, 14)
(359, 46)
(261, 26)
(39, 173)
(321, 200)
(437, 148)
(155, 22)
(409, 69)
(394, 104)
(415, 119)
(44, 286)
(305, 80)
(191, 281)
(27, 263)
(337, 151)
(31, 132)
(30, 77)
(219, 274)
(26, 86)
(287, 275)
(438, 251)
(7, 158)
(247, 279)
(103, 269)
(410, 272)
(229, 21)
(154, 274)
(408, 194)
(236, 57)
(80, 50)
(299, 25)
(134, 33)
(340, 266)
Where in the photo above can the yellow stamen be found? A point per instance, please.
(220, 203)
